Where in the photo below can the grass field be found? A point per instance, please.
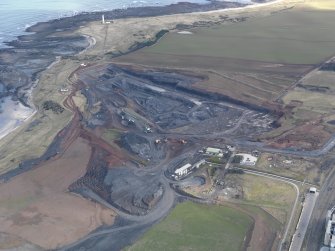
(323, 79)
(252, 61)
(31, 140)
(267, 192)
(195, 227)
(290, 37)
(312, 101)
(276, 197)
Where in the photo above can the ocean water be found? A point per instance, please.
(17, 15)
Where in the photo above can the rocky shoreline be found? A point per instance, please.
(51, 41)
(32, 53)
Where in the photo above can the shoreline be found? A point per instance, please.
(249, 6)
(53, 26)
(53, 68)
(20, 117)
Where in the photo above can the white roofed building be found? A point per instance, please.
(184, 170)
(214, 152)
(247, 159)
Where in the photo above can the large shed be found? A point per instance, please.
(183, 170)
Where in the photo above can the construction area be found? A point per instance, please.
(128, 142)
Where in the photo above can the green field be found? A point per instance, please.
(251, 61)
(293, 36)
(195, 227)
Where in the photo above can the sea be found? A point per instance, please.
(17, 15)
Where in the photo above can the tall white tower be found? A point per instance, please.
(103, 19)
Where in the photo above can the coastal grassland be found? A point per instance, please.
(274, 196)
(294, 36)
(252, 61)
(107, 41)
(193, 226)
(288, 166)
(33, 138)
(124, 35)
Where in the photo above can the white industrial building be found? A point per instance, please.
(184, 170)
(199, 163)
(247, 159)
(214, 152)
(329, 239)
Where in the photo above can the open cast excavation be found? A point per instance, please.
(150, 130)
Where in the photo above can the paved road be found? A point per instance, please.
(325, 201)
(299, 235)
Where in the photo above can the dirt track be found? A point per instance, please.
(126, 175)
(115, 97)
(116, 177)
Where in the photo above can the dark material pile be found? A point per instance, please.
(53, 106)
